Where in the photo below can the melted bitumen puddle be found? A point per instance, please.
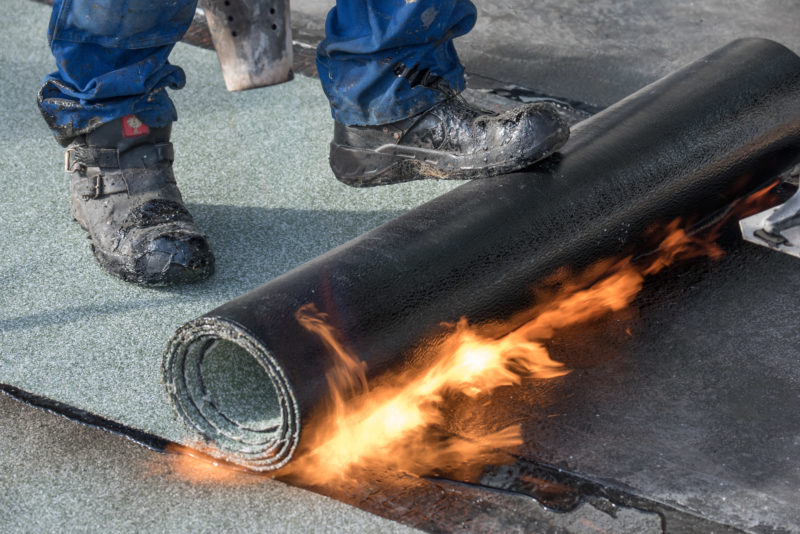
(442, 504)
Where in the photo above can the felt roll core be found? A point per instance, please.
(224, 382)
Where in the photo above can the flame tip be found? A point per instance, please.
(398, 424)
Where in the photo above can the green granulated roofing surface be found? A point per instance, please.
(57, 476)
(253, 170)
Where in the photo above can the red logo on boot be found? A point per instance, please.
(133, 127)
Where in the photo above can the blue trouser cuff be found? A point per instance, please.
(375, 62)
(112, 62)
(368, 42)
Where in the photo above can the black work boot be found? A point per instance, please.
(452, 140)
(124, 194)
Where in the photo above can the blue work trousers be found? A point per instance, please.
(381, 60)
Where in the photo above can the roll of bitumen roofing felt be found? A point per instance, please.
(247, 375)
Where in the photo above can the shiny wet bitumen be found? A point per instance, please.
(731, 304)
(156, 249)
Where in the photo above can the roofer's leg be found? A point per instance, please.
(392, 76)
(107, 104)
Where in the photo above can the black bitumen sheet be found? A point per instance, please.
(690, 397)
(697, 404)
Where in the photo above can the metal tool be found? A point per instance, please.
(777, 228)
(253, 39)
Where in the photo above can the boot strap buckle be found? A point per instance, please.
(70, 165)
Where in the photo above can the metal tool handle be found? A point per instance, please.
(253, 39)
(786, 216)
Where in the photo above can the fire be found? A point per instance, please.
(394, 425)
(197, 464)
(398, 425)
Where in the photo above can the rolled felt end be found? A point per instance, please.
(227, 385)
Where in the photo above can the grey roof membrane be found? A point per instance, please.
(253, 170)
(699, 411)
(56, 476)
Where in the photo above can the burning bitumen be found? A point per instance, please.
(251, 378)
(398, 425)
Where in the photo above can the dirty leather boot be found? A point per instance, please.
(124, 194)
(452, 140)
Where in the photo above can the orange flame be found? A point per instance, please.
(197, 464)
(397, 425)
(394, 426)
(387, 426)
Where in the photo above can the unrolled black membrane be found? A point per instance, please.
(247, 375)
